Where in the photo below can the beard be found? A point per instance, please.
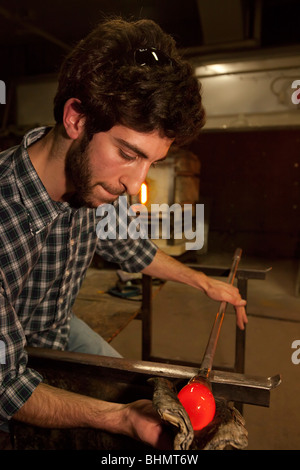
(79, 174)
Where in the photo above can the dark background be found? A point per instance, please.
(24, 50)
(30, 28)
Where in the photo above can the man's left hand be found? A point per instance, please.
(220, 291)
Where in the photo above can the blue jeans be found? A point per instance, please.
(84, 339)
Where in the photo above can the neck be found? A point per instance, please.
(48, 157)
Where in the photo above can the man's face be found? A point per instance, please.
(112, 163)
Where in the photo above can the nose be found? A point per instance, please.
(134, 178)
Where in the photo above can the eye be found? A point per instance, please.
(127, 157)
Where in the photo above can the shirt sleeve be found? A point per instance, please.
(17, 382)
(123, 239)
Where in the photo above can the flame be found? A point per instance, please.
(144, 193)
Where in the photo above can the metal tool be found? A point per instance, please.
(208, 357)
(112, 378)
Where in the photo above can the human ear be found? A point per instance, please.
(73, 119)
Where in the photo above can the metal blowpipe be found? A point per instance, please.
(208, 357)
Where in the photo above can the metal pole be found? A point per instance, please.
(208, 357)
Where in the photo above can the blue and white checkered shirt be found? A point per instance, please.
(45, 250)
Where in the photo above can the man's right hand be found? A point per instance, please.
(51, 407)
(147, 426)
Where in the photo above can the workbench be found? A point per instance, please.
(122, 380)
(109, 315)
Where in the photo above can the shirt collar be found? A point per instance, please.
(42, 210)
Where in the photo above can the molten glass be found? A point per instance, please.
(199, 403)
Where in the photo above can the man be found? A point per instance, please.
(124, 96)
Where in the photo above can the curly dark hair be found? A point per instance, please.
(101, 73)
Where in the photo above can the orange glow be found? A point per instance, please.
(144, 193)
(199, 403)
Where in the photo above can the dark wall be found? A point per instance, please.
(251, 182)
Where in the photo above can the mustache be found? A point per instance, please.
(111, 190)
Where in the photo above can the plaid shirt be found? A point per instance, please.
(45, 250)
